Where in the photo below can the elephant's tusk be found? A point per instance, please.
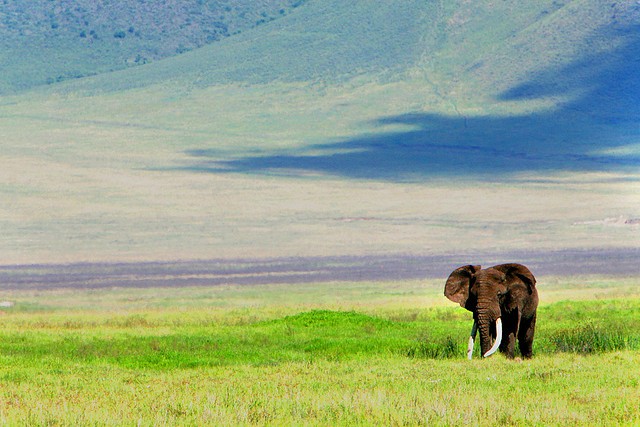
(498, 338)
(474, 331)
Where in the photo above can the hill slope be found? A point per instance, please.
(474, 77)
(341, 128)
(45, 42)
(324, 40)
(485, 56)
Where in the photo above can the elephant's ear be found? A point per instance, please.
(517, 273)
(459, 282)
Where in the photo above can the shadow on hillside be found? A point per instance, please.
(603, 114)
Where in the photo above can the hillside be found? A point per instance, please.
(492, 54)
(341, 128)
(45, 42)
(325, 41)
(504, 84)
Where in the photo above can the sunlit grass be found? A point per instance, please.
(137, 358)
(548, 390)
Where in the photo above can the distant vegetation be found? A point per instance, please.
(46, 42)
(392, 92)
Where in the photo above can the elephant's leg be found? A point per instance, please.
(508, 345)
(525, 336)
(509, 334)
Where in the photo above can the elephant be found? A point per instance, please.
(503, 300)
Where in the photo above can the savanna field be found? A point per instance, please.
(218, 212)
(388, 353)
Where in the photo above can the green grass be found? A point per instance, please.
(546, 391)
(137, 341)
(373, 356)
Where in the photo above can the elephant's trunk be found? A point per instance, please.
(488, 312)
(496, 344)
(487, 344)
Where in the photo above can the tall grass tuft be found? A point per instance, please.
(589, 338)
(438, 348)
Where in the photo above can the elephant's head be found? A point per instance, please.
(490, 294)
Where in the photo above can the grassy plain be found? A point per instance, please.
(352, 136)
(313, 354)
(145, 184)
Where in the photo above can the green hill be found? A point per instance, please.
(495, 45)
(329, 40)
(340, 128)
(44, 42)
(555, 76)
